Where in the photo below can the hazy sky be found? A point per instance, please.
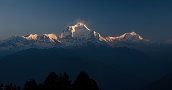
(150, 18)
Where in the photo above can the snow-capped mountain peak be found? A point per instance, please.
(132, 36)
(78, 25)
(52, 37)
(79, 30)
(98, 36)
(43, 38)
(31, 37)
(133, 33)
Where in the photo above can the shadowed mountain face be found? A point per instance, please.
(112, 68)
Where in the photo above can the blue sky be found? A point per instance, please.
(150, 18)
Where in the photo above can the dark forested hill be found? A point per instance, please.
(113, 68)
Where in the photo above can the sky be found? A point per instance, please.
(150, 18)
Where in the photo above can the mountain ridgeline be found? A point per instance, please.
(75, 36)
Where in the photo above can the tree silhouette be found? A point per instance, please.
(65, 83)
(51, 82)
(31, 85)
(55, 82)
(83, 82)
(1, 86)
(11, 87)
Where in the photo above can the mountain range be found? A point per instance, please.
(75, 36)
(125, 62)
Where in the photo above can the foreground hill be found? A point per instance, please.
(113, 68)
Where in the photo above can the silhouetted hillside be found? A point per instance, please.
(164, 83)
(56, 82)
(113, 68)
